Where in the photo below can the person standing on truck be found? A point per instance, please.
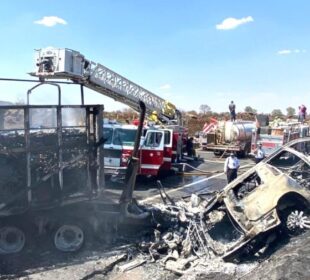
(232, 110)
(259, 153)
(302, 113)
(231, 167)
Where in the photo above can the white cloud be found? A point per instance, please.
(166, 86)
(286, 52)
(231, 23)
(283, 52)
(50, 21)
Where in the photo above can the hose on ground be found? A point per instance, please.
(202, 172)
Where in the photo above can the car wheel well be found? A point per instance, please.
(291, 200)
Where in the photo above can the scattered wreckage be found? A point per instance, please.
(275, 194)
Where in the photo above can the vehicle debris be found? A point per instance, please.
(242, 219)
(131, 265)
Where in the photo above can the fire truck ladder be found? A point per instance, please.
(54, 63)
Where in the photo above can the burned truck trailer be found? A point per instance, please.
(50, 163)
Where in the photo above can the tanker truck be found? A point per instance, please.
(227, 136)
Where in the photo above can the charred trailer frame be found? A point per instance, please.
(44, 158)
(51, 171)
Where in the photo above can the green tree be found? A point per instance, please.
(204, 109)
(290, 111)
(250, 110)
(276, 113)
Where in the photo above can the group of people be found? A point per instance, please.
(302, 112)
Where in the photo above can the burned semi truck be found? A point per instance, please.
(52, 175)
(49, 164)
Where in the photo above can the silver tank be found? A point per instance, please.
(237, 131)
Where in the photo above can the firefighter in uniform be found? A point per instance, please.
(231, 166)
(153, 118)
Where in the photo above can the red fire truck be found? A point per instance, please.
(157, 151)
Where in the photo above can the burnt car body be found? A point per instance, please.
(273, 194)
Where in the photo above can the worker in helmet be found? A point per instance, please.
(153, 118)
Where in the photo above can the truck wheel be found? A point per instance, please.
(12, 239)
(69, 237)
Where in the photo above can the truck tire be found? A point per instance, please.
(218, 153)
(70, 234)
(15, 235)
(12, 239)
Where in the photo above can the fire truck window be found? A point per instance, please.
(284, 160)
(167, 137)
(158, 138)
(125, 137)
(107, 135)
(153, 139)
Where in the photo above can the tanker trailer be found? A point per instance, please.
(230, 136)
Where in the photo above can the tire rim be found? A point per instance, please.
(69, 238)
(298, 220)
(12, 240)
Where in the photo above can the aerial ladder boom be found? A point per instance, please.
(55, 63)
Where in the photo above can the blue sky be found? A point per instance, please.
(256, 52)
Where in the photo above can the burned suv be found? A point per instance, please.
(273, 194)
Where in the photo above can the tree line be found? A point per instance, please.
(194, 120)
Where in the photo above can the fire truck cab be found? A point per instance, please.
(157, 152)
(119, 142)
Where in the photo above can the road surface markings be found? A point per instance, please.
(189, 185)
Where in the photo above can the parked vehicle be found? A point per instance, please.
(157, 151)
(119, 142)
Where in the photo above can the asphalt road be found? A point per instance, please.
(202, 176)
